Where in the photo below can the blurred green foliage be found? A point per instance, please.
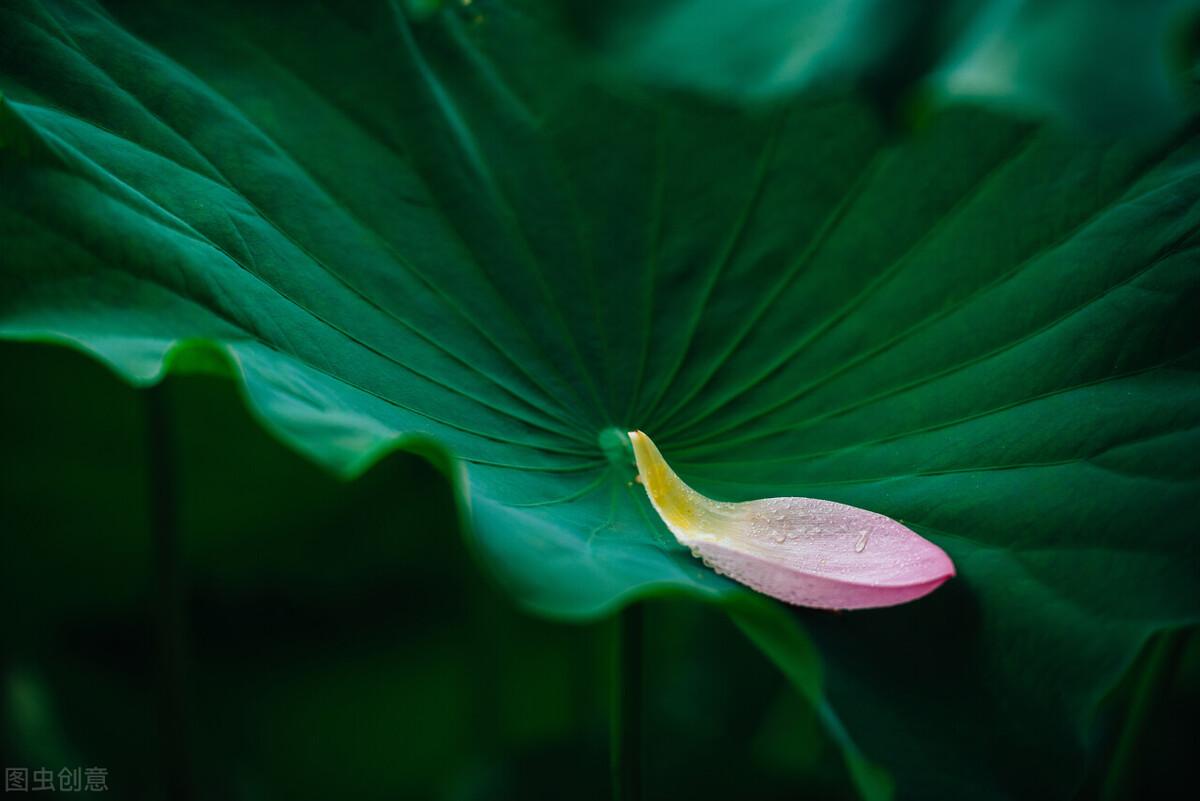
(1108, 65)
(340, 642)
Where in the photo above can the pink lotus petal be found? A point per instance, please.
(801, 550)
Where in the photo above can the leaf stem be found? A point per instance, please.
(1152, 684)
(161, 492)
(627, 679)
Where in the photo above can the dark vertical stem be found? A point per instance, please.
(627, 665)
(1152, 684)
(492, 637)
(169, 599)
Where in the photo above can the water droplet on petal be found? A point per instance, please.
(861, 545)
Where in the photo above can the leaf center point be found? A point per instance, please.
(617, 448)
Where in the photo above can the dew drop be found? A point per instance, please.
(861, 545)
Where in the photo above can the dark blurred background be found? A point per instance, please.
(298, 637)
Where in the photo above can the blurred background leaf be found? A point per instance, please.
(1109, 65)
